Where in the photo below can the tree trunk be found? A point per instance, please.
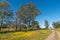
(16, 24)
(16, 27)
(1, 24)
(0, 28)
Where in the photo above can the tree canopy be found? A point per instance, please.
(27, 13)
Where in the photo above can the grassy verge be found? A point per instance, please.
(29, 35)
(58, 29)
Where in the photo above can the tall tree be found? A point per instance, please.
(27, 13)
(46, 24)
(5, 12)
(1, 15)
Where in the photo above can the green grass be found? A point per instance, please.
(29, 35)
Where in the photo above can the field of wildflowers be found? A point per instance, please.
(29, 35)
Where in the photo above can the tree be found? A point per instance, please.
(0, 20)
(1, 5)
(46, 24)
(5, 12)
(56, 24)
(35, 25)
(27, 13)
(9, 18)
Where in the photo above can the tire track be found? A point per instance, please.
(51, 36)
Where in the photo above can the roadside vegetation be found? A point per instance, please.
(56, 26)
(29, 35)
(58, 29)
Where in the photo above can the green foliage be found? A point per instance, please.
(56, 24)
(27, 13)
(6, 13)
(35, 25)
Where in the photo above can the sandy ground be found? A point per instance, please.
(51, 36)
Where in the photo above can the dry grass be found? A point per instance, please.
(58, 29)
(30, 35)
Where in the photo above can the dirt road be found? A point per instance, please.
(55, 35)
(58, 34)
(51, 36)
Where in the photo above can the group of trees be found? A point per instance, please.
(25, 16)
(6, 14)
(56, 24)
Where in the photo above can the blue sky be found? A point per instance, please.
(50, 9)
